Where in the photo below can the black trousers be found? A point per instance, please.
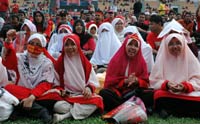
(178, 107)
(111, 100)
(42, 109)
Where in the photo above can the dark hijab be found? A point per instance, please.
(84, 36)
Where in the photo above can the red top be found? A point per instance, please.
(188, 26)
(90, 45)
(116, 69)
(4, 4)
(15, 8)
(153, 40)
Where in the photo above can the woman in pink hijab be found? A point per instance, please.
(176, 78)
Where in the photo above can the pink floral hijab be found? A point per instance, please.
(185, 67)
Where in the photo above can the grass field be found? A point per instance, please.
(154, 119)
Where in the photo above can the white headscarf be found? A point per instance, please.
(56, 42)
(74, 77)
(120, 35)
(30, 25)
(107, 45)
(90, 27)
(146, 48)
(177, 27)
(41, 38)
(32, 71)
(185, 67)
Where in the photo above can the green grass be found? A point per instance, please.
(97, 120)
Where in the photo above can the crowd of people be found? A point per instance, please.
(50, 64)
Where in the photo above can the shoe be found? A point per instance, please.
(59, 117)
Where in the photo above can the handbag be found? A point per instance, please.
(130, 112)
(7, 101)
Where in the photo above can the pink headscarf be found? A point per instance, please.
(185, 67)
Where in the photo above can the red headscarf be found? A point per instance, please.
(59, 65)
(118, 64)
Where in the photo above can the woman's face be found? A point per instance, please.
(132, 48)
(79, 28)
(38, 17)
(35, 42)
(70, 48)
(119, 26)
(174, 47)
(93, 31)
(25, 28)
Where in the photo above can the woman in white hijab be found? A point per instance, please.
(22, 36)
(55, 43)
(93, 31)
(107, 45)
(35, 75)
(175, 78)
(175, 26)
(118, 24)
(146, 48)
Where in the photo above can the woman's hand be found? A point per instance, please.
(87, 93)
(28, 102)
(132, 80)
(11, 34)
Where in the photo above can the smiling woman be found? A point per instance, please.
(126, 72)
(175, 77)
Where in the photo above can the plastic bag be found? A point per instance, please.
(130, 112)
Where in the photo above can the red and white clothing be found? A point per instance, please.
(76, 73)
(56, 42)
(34, 75)
(120, 67)
(183, 69)
(147, 51)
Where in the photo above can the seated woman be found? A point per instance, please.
(22, 37)
(92, 30)
(176, 78)
(118, 24)
(107, 46)
(126, 72)
(55, 44)
(78, 81)
(146, 49)
(35, 75)
(88, 43)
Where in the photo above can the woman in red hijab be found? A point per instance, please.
(126, 72)
(77, 81)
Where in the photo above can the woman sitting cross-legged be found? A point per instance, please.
(126, 72)
(35, 75)
(176, 78)
(78, 82)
